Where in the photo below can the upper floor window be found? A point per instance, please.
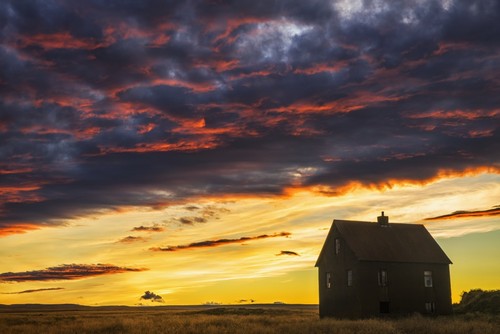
(337, 246)
(329, 280)
(428, 279)
(382, 277)
(349, 278)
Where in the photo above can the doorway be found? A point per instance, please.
(384, 307)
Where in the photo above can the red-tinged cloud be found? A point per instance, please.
(152, 102)
(19, 228)
(66, 272)
(468, 214)
(218, 242)
(31, 291)
(61, 40)
(288, 253)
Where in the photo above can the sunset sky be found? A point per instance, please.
(199, 150)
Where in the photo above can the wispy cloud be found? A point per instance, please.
(31, 291)
(218, 242)
(468, 214)
(66, 272)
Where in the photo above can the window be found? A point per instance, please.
(430, 307)
(328, 280)
(428, 279)
(337, 246)
(382, 277)
(349, 278)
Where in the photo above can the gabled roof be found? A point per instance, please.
(410, 243)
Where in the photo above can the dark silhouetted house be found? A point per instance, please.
(368, 269)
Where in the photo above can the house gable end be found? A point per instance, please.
(329, 244)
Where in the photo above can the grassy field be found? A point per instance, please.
(243, 319)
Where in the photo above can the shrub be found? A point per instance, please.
(477, 300)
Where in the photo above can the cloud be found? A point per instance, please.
(205, 213)
(131, 239)
(153, 297)
(66, 272)
(246, 301)
(290, 253)
(468, 214)
(31, 291)
(142, 228)
(192, 220)
(316, 95)
(219, 242)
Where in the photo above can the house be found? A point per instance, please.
(369, 269)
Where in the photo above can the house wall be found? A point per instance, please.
(405, 291)
(338, 300)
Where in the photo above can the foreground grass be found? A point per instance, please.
(233, 320)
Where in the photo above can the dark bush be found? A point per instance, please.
(478, 300)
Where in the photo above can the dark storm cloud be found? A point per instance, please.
(31, 291)
(66, 272)
(218, 242)
(153, 297)
(468, 214)
(112, 104)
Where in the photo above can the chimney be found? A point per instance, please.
(383, 220)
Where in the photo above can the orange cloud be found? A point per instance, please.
(15, 170)
(469, 114)
(59, 40)
(157, 36)
(195, 87)
(227, 36)
(351, 186)
(319, 68)
(467, 214)
(184, 145)
(20, 193)
(344, 105)
(17, 229)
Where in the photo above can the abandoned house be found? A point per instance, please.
(368, 269)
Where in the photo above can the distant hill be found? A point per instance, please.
(477, 300)
(45, 307)
(76, 307)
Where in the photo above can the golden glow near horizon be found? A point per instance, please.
(247, 269)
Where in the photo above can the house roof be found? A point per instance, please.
(393, 243)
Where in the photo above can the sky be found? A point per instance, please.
(187, 152)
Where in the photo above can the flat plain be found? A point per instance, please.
(61, 319)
